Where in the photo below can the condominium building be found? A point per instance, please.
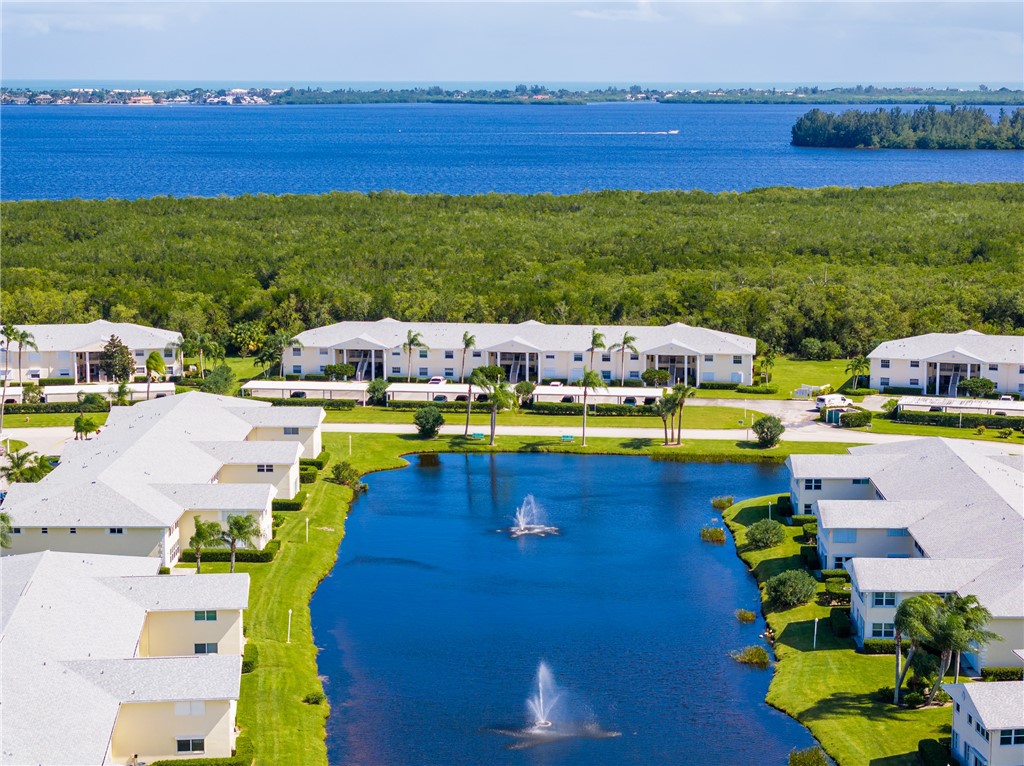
(922, 516)
(937, 363)
(988, 723)
(528, 351)
(104, 660)
(75, 351)
(137, 488)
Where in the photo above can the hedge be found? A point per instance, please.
(858, 391)
(317, 377)
(1002, 674)
(785, 506)
(319, 462)
(307, 474)
(770, 388)
(250, 657)
(58, 382)
(55, 407)
(327, 404)
(835, 574)
(799, 519)
(810, 531)
(854, 419)
(443, 406)
(955, 420)
(837, 590)
(712, 385)
(931, 752)
(295, 504)
(902, 390)
(605, 410)
(809, 556)
(246, 555)
(839, 619)
(879, 646)
(243, 757)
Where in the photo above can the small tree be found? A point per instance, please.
(627, 344)
(768, 357)
(84, 425)
(241, 529)
(31, 393)
(428, 421)
(339, 371)
(25, 466)
(769, 430)
(344, 473)
(652, 376)
(790, 588)
(207, 535)
(524, 390)
(5, 530)
(889, 407)
(376, 392)
(766, 533)
(492, 380)
(596, 342)
(220, 381)
(665, 408)
(155, 368)
(413, 340)
(682, 392)
(857, 367)
(976, 386)
(468, 342)
(117, 361)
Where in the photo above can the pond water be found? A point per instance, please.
(433, 622)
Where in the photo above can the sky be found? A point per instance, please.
(487, 41)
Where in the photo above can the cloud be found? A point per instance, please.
(34, 19)
(643, 11)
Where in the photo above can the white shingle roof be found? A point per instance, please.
(389, 333)
(1000, 704)
(854, 466)
(915, 575)
(280, 417)
(220, 497)
(987, 348)
(70, 627)
(872, 514)
(94, 335)
(250, 453)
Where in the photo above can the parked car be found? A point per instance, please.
(440, 398)
(1006, 398)
(436, 381)
(831, 400)
(297, 395)
(629, 401)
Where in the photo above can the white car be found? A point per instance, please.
(436, 381)
(831, 400)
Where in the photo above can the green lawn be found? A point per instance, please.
(42, 419)
(829, 689)
(693, 417)
(885, 426)
(790, 374)
(15, 445)
(243, 367)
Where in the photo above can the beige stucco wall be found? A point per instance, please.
(173, 634)
(285, 478)
(151, 728)
(1000, 653)
(134, 542)
(187, 524)
(309, 438)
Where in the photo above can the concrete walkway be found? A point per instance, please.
(47, 440)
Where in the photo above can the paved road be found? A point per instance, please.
(44, 440)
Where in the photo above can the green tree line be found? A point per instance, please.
(853, 266)
(926, 128)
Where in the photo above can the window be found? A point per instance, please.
(64, 373)
(970, 719)
(981, 730)
(883, 630)
(115, 531)
(737, 360)
(915, 363)
(634, 357)
(606, 357)
(449, 354)
(885, 364)
(424, 372)
(634, 374)
(15, 530)
(296, 351)
(140, 354)
(206, 615)
(264, 468)
(449, 372)
(477, 354)
(168, 353)
(34, 374)
(915, 381)
(606, 374)
(884, 381)
(709, 358)
(814, 484)
(707, 377)
(323, 368)
(957, 705)
(187, 745)
(883, 599)
(291, 430)
(296, 369)
(862, 481)
(808, 508)
(396, 352)
(197, 707)
(73, 531)
(841, 561)
(1011, 737)
(897, 532)
(424, 353)
(44, 530)
(205, 648)
(549, 356)
(993, 368)
(844, 535)
(1020, 370)
(396, 370)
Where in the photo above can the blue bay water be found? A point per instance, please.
(432, 623)
(130, 152)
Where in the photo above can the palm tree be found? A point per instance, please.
(768, 362)
(5, 530)
(682, 392)
(241, 529)
(590, 380)
(207, 535)
(266, 357)
(912, 619)
(194, 345)
(155, 368)
(468, 342)
(83, 426)
(857, 367)
(412, 340)
(666, 407)
(120, 396)
(596, 342)
(958, 626)
(499, 395)
(25, 466)
(281, 341)
(23, 338)
(626, 344)
(8, 332)
(974, 618)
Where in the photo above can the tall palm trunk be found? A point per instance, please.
(679, 425)
(956, 673)
(944, 662)
(408, 369)
(898, 640)
(462, 372)
(584, 416)
(21, 382)
(494, 421)
(199, 560)
(664, 423)
(906, 667)
(234, 545)
(469, 408)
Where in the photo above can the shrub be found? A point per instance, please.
(295, 504)
(766, 533)
(976, 386)
(889, 407)
(307, 474)
(428, 421)
(338, 371)
(810, 533)
(247, 555)
(931, 752)
(722, 502)
(319, 462)
(55, 407)
(250, 657)
(376, 392)
(902, 390)
(835, 574)
(980, 430)
(809, 556)
(243, 757)
(1005, 433)
(837, 591)
(712, 534)
(278, 519)
(576, 408)
(327, 404)
(315, 698)
(219, 381)
(768, 430)
(855, 419)
(1002, 674)
(164, 570)
(753, 655)
(745, 616)
(712, 385)
(913, 699)
(812, 756)
(956, 420)
(345, 473)
(859, 391)
(790, 588)
(839, 620)
(764, 388)
(879, 646)
(56, 382)
(884, 694)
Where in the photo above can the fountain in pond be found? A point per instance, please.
(529, 520)
(555, 715)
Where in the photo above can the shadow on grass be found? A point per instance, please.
(842, 704)
(800, 636)
(904, 759)
(768, 568)
(751, 513)
(638, 443)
